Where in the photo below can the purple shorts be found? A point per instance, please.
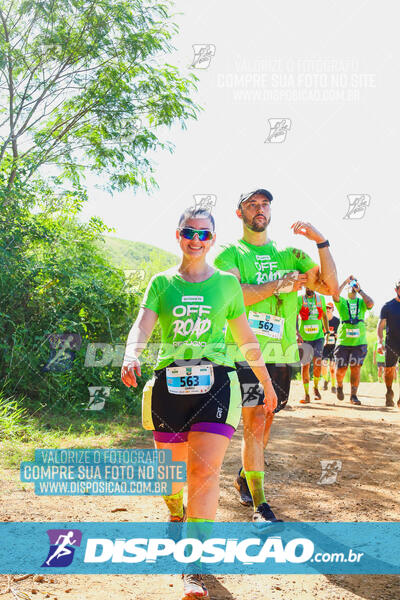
(176, 438)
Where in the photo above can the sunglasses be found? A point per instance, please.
(205, 235)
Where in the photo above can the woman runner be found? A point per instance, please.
(193, 402)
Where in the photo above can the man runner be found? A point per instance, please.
(329, 348)
(313, 325)
(352, 336)
(270, 279)
(390, 318)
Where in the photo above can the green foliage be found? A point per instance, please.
(369, 371)
(55, 279)
(85, 85)
(126, 254)
(13, 418)
(371, 322)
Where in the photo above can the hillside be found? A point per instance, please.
(126, 254)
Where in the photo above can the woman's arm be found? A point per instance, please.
(250, 348)
(138, 336)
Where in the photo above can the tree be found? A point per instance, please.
(56, 287)
(83, 86)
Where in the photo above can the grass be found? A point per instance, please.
(21, 433)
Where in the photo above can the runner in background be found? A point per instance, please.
(379, 359)
(329, 348)
(270, 278)
(390, 318)
(352, 336)
(312, 324)
(192, 404)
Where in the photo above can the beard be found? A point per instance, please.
(309, 293)
(255, 224)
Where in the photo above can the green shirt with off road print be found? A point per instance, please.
(192, 315)
(272, 319)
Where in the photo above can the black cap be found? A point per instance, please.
(263, 192)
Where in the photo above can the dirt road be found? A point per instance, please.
(366, 441)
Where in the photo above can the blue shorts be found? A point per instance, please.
(310, 349)
(350, 355)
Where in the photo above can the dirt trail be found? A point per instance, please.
(364, 438)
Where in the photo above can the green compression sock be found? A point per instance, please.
(175, 503)
(200, 529)
(255, 481)
(316, 382)
(242, 473)
(306, 387)
(326, 377)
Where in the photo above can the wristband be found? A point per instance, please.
(323, 244)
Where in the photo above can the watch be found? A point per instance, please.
(323, 244)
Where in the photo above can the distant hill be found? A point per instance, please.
(126, 254)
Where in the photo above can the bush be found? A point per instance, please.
(54, 281)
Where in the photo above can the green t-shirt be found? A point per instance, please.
(312, 328)
(351, 335)
(192, 315)
(257, 265)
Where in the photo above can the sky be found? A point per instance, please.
(299, 98)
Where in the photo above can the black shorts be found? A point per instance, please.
(328, 351)
(350, 355)
(171, 416)
(252, 390)
(392, 355)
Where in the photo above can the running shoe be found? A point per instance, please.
(354, 400)
(264, 517)
(333, 389)
(243, 489)
(389, 398)
(317, 395)
(339, 393)
(398, 403)
(306, 399)
(193, 587)
(325, 385)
